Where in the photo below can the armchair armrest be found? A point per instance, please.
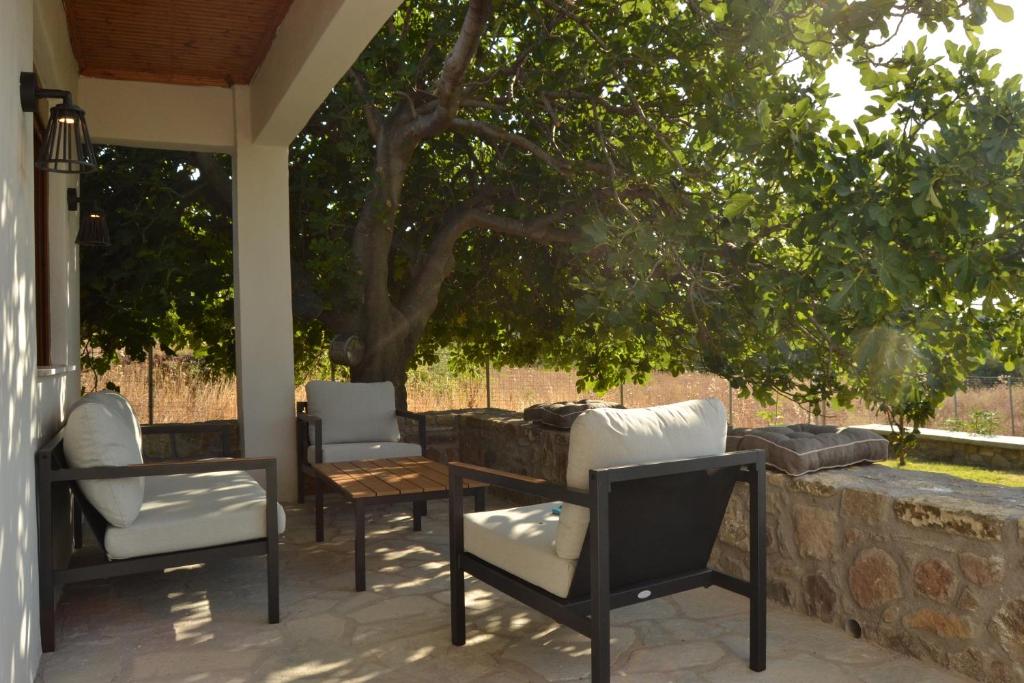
(515, 482)
(751, 460)
(164, 468)
(421, 422)
(305, 421)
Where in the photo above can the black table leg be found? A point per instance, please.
(319, 509)
(480, 500)
(419, 510)
(360, 518)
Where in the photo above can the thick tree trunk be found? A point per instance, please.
(390, 346)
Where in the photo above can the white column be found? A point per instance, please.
(263, 300)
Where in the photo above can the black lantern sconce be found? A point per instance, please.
(92, 227)
(67, 147)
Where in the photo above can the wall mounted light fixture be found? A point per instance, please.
(67, 147)
(92, 226)
(92, 230)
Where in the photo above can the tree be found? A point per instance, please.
(882, 261)
(658, 184)
(644, 128)
(167, 277)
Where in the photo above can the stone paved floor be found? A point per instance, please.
(207, 625)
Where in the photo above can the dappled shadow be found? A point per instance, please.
(206, 624)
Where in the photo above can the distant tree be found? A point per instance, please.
(167, 277)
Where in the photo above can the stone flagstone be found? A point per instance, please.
(207, 625)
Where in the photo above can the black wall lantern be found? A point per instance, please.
(92, 226)
(67, 147)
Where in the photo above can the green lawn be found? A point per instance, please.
(981, 475)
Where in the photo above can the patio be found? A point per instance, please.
(206, 624)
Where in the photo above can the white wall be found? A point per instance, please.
(32, 404)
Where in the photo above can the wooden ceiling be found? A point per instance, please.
(189, 42)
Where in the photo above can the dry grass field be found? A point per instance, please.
(182, 394)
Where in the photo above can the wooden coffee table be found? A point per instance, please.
(383, 482)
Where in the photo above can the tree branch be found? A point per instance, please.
(421, 296)
(374, 118)
(494, 134)
(453, 73)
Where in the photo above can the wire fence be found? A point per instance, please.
(175, 389)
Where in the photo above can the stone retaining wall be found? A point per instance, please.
(961, 448)
(215, 439)
(923, 564)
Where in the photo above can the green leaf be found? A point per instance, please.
(1003, 12)
(737, 204)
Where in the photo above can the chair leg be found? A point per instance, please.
(273, 585)
(758, 573)
(600, 582)
(457, 576)
(302, 486)
(419, 510)
(76, 522)
(47, 612)
(601, 649)
(480, 500)
(360, 519)
(319, 504)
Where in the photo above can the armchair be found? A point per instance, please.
(637, 521)
(145, 516)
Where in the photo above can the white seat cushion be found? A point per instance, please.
(522, 542)
(371, 450)
(98, 433)
(606, 437)
(189, 511)
(354, 412)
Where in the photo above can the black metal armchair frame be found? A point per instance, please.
(652, 529)
(303, 423)
(54, 477)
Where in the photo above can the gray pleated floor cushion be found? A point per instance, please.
(801, 449)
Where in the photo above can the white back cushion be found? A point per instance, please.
(97, 435)
(119, 405)
(606, 437)
(354, 411)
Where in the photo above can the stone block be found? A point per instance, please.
(874, 579)
(1008, 628)
(963, 522)
(935, 579)
(865, 507)
(819, 597)
(816, 531)
(982, 571)
(942, 624)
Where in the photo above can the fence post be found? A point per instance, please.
(487, 375)
(731, 423)
(622, 393)
(1013, 418)
(956, 408)
(149, 382)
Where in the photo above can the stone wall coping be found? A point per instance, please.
(942, 491)
(1013, 443)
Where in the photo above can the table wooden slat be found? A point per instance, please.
(438, 477)
(379, 486)
(385, 474)
(389, 477)
(343, 479)
(414, 473)
(442, 469)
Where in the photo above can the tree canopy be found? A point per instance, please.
(624, 186)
